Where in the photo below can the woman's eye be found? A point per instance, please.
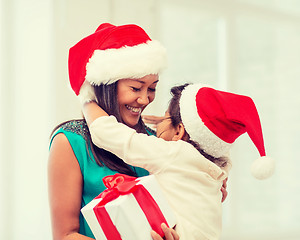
(135, 89)
(152, 89)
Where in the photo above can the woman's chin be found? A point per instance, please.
(132, 122)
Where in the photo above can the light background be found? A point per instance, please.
(245, 46)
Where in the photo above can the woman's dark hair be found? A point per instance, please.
(174, 111)
(107, 98)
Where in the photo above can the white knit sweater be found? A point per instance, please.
(191, 182)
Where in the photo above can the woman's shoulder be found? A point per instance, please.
(75, 131)
(72, 135)
(75, 128)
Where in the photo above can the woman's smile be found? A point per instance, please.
(135, 110)
(134, 95)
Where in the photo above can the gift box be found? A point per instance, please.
(128, 209)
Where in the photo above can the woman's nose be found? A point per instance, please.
(143, 99)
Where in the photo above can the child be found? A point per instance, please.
(188, 156)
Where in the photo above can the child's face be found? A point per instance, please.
(165, 129)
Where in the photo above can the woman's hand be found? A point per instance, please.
(170, 233)
(224, 189)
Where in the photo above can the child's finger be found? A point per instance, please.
(224, 194)
(150, 119)
(174, 234)
(170, 234)
(224, 190)
(155, 236)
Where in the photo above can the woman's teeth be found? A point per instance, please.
(134, 109)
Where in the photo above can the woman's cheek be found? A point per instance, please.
(151, 97)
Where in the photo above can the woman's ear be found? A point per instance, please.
(179, 133)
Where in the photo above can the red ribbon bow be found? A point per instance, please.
(121, 184)
(118, 184)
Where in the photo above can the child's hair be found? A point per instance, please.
(174, 111)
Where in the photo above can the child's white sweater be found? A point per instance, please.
(191, 182)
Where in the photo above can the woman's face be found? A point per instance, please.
(134, 95)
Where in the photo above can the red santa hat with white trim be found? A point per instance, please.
(112, 53)
(215, 119)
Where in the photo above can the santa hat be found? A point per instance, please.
(215, 119)
(113, 53)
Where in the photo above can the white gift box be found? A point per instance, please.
(131, 216)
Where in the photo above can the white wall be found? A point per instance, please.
(247, 46)
(26, 66)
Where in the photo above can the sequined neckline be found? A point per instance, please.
(77, 126)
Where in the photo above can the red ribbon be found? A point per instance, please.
(120, 184)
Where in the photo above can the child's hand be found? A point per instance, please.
(170, 234)
(153, 120)
(224, 190)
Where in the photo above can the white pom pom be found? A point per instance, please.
(86, 93)
(263, 167)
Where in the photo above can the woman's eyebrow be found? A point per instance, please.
(140, 81)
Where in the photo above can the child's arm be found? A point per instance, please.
(92, 111)
(136, 149)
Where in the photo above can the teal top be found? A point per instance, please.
(76, 132)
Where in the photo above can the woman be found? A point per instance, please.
(118, 67)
